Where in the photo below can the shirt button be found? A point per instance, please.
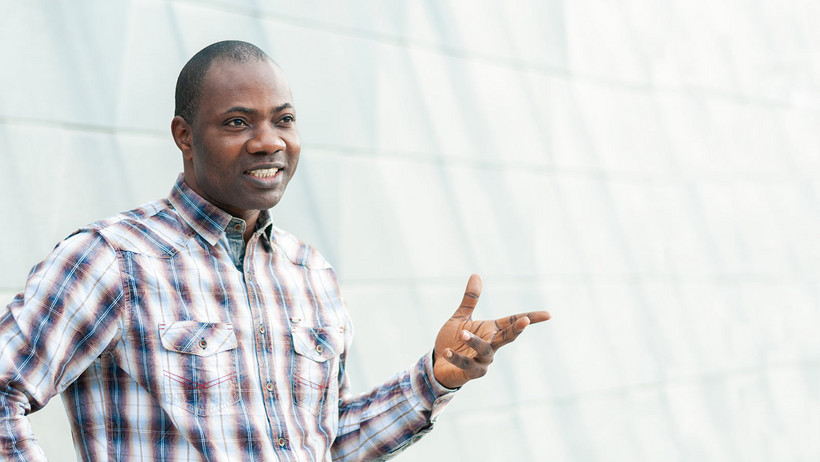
(319, 348)
(203, 344)
(269, 386)
(261, 328)
(282, 442)
(237, 227)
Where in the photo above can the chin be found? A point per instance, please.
(265, 203)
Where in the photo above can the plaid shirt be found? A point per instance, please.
(165, 348)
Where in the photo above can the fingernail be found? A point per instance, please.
(448, 354)
(465, 335)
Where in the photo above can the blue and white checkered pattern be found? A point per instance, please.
(164, 350)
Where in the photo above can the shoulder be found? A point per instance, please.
(297, 251)
(88, 260)
(154, 228)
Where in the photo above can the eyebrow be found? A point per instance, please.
(283, 107)
(246, 110)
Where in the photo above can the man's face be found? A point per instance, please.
(243, 145)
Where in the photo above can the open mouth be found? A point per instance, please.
(263, 172)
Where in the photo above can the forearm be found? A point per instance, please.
(18, 366)
(17, 440)
(383, 422)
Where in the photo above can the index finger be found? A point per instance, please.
(470, 299)
(535, 317)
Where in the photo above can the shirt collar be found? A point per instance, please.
(208, 220)
(265, 223)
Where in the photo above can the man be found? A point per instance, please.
(191, 328)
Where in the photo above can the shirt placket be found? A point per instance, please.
(265, 331)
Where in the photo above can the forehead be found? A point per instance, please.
(230, 82)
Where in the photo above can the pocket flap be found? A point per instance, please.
(197, 338)
(318, 343)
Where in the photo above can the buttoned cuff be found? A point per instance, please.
(433, 395)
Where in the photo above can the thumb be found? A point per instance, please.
(470, 299)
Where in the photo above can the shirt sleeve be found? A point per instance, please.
(66, 316)
(381, 423)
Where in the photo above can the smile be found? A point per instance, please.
(263, 172)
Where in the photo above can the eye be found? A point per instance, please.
(287, 120)
(236, 122)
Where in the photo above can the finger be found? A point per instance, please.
(482, 347)
(538, 316)
(471, 368)
(533, 316)
(470, 299)
(510, 333)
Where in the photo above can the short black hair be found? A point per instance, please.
(191, 77)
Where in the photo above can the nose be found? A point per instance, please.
(266, 140)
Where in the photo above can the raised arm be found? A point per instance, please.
(384, 421)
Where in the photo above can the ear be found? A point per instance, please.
(183, 136)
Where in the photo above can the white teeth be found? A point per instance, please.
(263, 172)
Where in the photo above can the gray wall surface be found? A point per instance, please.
(648, 171)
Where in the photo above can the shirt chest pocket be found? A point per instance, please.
(314, 381)
(199, 371)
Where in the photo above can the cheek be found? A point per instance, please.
(294, 151)
(214, 158)
(211, 171)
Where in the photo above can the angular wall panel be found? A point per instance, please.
(647, 171)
